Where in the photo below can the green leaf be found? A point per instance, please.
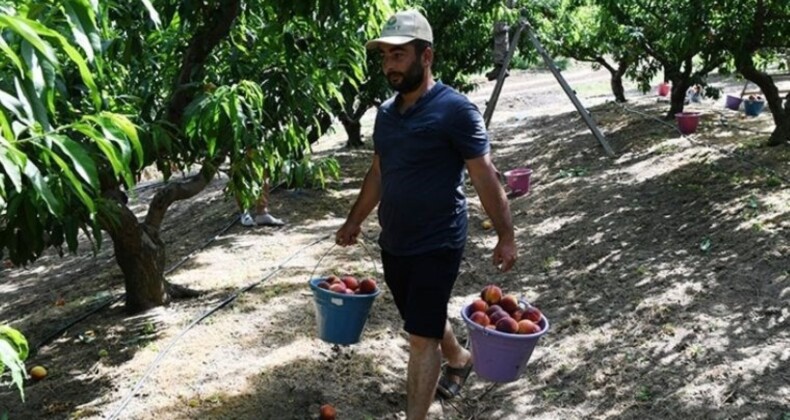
(10, 358)
(152, 13)
(17, 339)
(10, 54)
(82, 162)
(104, 145)
(40, 185)
(12, 170)
(82, 20)
(130, 130)
(24, 28)
(75, 183)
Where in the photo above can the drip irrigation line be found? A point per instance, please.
(200, 318)
(696, 140)
(57, 333)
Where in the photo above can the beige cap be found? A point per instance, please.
(403, 27)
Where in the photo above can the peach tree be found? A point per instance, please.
(93, 92)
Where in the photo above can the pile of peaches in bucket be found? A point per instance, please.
(504, 313)
(348, 285)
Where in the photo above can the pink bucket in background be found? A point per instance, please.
(663, 89)
(518, 180)
(687, 121)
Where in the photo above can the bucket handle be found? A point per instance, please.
(361, 242)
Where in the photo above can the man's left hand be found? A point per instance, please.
(505, 255)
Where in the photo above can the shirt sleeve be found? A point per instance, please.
(467, 131)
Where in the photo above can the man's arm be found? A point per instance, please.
(492, 195)
(368, 198)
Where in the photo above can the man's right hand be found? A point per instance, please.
(347, 234)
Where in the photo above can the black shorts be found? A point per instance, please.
(421, 286)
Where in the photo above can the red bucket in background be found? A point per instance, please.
(518, 180)
(663, 89)
(687, 121)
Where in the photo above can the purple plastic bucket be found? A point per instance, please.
(732, 102)
(518, 180)
(497, 356)
(687, 121)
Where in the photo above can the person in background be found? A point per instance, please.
(423, 139)
(260, 215)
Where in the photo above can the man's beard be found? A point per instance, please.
(410, 81)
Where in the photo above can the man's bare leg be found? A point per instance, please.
(457, 356)
(423, 374)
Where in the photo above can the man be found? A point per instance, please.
(261, 216)
(423, 138)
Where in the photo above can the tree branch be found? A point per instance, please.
(178, 191)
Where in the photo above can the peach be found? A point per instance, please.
(339, 287)
(517, 314)
(323, 285)
(367, 286)
(491, 294)
(493, 308)
(526, 326)
(496, 316)
(327, 412)
(332, 279)
(350, 282)
(38, 373)
(507, 325)
(349, 291)
(479, 305)
(480, 318)
(509, 303)
(532, 313)
(491, 326)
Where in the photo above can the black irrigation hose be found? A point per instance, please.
(203, 316)
(57, 333)
(694, 139)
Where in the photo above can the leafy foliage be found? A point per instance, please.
(13, 353)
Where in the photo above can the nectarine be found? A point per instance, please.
(480, 318)
(507, 325)
(526, 326)
(491, 294)
(38, 373)
(338, 287)
(367, 286)
(509, 303)
(532, 313)
(479, 305)
(350, 282)
(327, 412)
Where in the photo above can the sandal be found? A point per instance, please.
(449, 389)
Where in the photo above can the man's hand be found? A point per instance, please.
(505, 255)
(347, 234)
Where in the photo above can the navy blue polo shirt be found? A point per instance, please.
(422, 154)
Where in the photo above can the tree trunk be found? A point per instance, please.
(781, 133)
(616, 80)
(781, 115)
(141, 255)
(678, 98)
(353, 131)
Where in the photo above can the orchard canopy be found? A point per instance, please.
(92, 92)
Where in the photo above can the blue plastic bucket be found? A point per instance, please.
(340, 318)
(497, 356)
(753, 108)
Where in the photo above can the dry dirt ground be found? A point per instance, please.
(665, 272)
